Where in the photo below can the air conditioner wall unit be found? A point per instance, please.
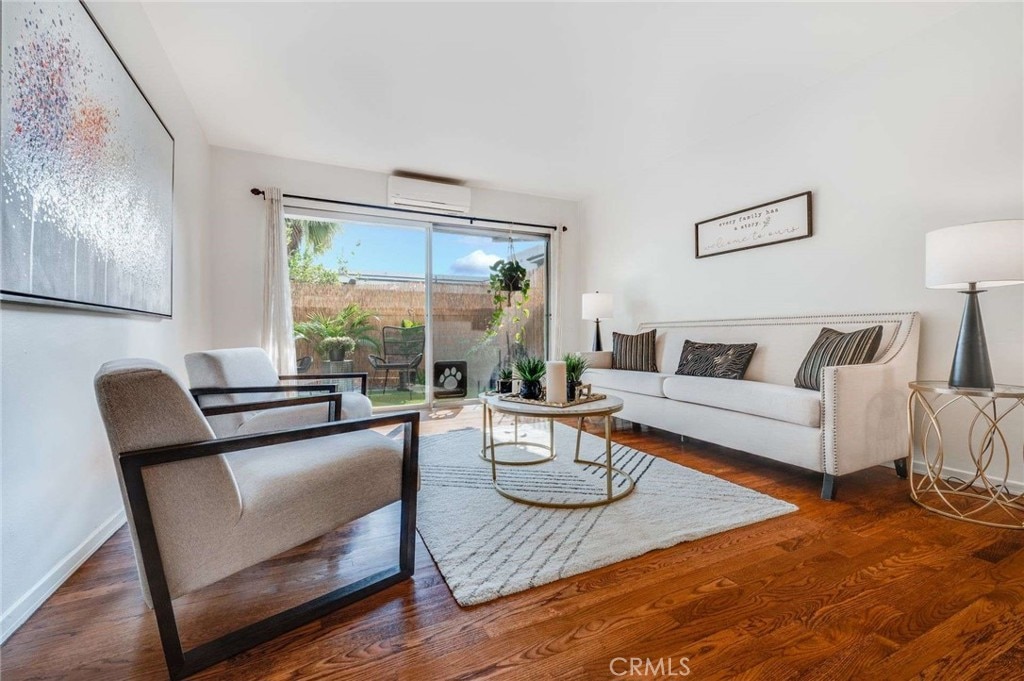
(435, 197)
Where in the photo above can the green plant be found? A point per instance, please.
(301, 268)
(336, 346)
(505, 374)
(409, 324)
(575, 365)
(531, 369)
(353, 321)
(317, 235)
(510, 291)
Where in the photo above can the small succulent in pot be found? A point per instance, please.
(531, 371)
(336, 347)
(505, 380)
(575, 365)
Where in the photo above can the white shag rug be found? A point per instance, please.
(487, 546)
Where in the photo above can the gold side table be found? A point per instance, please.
(984, 498)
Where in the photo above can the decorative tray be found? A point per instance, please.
(593, 397)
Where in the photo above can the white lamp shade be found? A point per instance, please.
(984, 253)
(597, 305)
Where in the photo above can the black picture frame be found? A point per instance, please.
(802, 232)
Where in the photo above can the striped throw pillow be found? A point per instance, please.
(835, 348)
(715, 360)
(634, 352)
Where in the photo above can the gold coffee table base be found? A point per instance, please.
(593, 409)
(550, 447)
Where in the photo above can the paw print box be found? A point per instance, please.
(450, 379)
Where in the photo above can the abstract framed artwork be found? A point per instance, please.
(775, 222)
(87, 169)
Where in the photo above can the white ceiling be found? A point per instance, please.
(552, 99)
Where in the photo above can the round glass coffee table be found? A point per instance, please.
(605, 408)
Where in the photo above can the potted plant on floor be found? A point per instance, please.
(575, 365)
(531, 371)
(334, 348)
(352, 322)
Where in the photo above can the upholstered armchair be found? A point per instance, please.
(246, 375)
(201, 508)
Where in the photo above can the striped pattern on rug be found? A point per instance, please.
(487, 546)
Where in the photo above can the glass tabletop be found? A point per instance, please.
(942, 387)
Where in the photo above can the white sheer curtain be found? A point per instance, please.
(277, 295)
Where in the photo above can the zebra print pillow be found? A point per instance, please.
(835, 348)
(715, 360)
(634, 352)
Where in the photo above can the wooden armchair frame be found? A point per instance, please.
(182, 663)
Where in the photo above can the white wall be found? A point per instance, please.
(236, 278)
(60, 492)
(926, 135)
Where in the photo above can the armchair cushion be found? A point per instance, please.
(290, 493)
(252, 368)
(353, 406)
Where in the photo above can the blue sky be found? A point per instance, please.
(381, 249)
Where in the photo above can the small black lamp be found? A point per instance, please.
(597, 306)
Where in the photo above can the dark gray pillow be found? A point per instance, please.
(834, 348)
(715, 360)
(634, 352)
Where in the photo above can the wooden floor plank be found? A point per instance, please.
(867, 587)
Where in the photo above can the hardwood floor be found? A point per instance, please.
(865, 587)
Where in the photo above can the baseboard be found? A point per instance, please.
(1014, 486)
(22, 609)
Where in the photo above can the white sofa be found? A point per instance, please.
(857, 419)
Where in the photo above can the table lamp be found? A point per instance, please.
(597, 306)
(970, 258)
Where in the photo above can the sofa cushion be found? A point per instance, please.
(715, 360)
(634, 352)
(779, 402)
(834, 348)
(643, 382)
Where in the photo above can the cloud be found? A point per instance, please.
(476, 262)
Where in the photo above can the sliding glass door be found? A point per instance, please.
(359, 301)
(408, 303)
(468, 338)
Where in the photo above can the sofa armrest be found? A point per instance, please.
(597, 360)
(863, 419)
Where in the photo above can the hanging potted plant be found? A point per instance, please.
(531, 371)
(575, 365)
(508, 276)
(509, 287)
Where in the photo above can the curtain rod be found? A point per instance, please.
(259, 192)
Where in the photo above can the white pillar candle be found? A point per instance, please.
(555, 374)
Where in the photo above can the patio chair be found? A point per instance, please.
(403, 352)
(243, 375)
(201, 508)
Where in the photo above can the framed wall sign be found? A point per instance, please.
(87, 169)
(774, 222)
